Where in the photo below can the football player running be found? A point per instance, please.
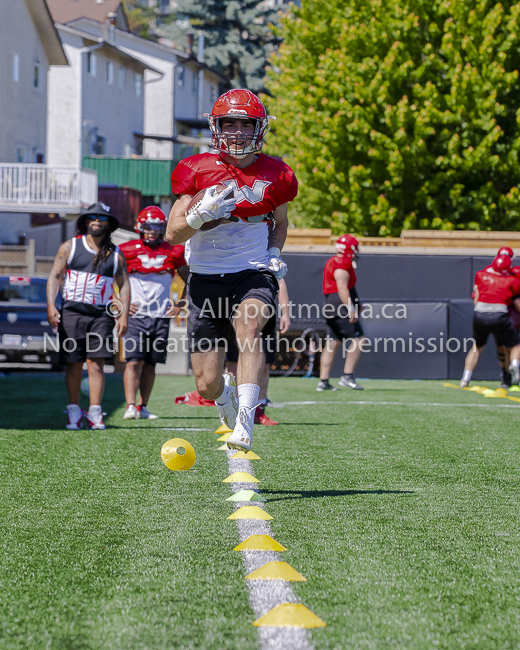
(341, 302)
(236, 265)
(496, 288)
(152, 262)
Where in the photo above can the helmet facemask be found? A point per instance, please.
(152, 233)
(227, 142)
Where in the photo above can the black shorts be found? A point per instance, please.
(498, 324)
(213, 299)
(268, 345)
(85, 335)
(147, 340)
(340, 328)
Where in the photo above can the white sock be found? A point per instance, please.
(94, 408)
(248, 399)
(467, 375)
(225, 397)
(515, 363)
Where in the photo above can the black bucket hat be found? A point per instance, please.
(96, 209)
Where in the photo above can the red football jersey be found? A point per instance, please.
(141, 258)
(337, 262)
(495, 288)
(259, 188)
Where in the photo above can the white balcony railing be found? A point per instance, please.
(46, 188)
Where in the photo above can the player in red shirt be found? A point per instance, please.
(152, 262)
(234, 266)
(341, 313)
(496, 288)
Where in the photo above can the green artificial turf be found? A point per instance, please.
(402, 513)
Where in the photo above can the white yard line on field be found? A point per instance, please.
(370, 403)
(265, 594)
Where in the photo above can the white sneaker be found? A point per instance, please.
(463, 383)
(94, 417)
(242, 436)
(515, 374)
(348, 381)
(75, 414)
(131, 412)
(145, 414)
(228, 412)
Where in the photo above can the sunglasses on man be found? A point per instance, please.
(97, 217)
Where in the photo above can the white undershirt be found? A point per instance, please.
(228, 248)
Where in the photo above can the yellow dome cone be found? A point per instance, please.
(224, 437)
(250, 512)
(477, 389)
(276, 571)
(515, 389)
(489, 392)
(246, 495)
(241, 477)
(223, 428)
(260, 543)
(223, 447)
(245, 455)
(290, 615)
(173, 459)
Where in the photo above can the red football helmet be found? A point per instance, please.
(502, 264)
(348, 246)
(151, 222)
(505, 250)
(241, 104)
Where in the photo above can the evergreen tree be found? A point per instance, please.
(238, 37)
(400, 113)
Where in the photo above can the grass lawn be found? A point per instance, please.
(402, 513)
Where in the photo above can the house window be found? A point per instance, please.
(15, 68)
(212, 94)
(110, 73)
(91, 63)
(138, 83)
(194, 83)
(39, 158)
(122, 78)
(37, 76)
(21, 153)
(180, 75)
(100, 145)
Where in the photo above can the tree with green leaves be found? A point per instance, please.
(399, 114)
(237, 33)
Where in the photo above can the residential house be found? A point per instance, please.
(30, 48)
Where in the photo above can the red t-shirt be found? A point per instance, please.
(141, 258)
(495, 288)
(259, 188)
(337, 262)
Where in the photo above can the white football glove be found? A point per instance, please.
(212, 206)
(276, 265)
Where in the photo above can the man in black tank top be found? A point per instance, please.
(87, 267)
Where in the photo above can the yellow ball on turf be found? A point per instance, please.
(177, 454)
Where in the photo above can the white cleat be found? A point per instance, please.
(228, 412)
(75, 414)
(145, 414)
(242, 436)
(131, 412)
(463, 383)
(94, 418)
(515, 374)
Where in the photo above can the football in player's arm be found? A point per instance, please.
(152, 262)
(87, 267)
(234, 266)
(496, 289)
